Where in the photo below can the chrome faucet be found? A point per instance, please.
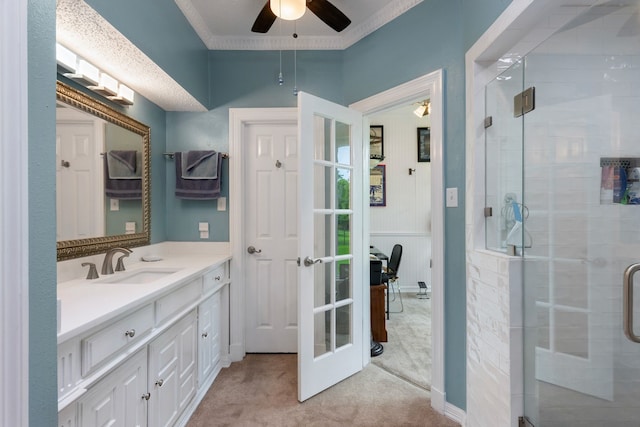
(107, 265)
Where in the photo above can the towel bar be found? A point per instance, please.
(172, 155)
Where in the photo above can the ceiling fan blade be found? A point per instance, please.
(265, 20)
(329, 14)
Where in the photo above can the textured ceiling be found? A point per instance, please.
(226, 24)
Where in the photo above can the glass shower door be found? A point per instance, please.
(581, 172)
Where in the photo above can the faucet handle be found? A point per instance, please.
(93, 273)
(120, 263)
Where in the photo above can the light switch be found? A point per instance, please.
(222, 203)
(203, 226)
(452, 197)
(115, 205)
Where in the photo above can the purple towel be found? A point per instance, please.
(124, 189)
(196, 189)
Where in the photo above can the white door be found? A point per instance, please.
(76, 182)
(330, 334)
(271, 228)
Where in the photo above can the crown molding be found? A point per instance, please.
(340, 41)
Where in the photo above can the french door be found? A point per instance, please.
(330, 212)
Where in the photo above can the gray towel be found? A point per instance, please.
(200, 165)
(125, 189)
(197, 189)
(123, 164)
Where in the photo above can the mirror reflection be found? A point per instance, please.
(102, 171)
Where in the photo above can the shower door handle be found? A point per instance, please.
(627, 302)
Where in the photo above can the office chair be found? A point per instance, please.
(390, 276)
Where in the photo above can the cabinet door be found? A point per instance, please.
(67, 417)
(118, 399)
(172, 362)
(209, 333)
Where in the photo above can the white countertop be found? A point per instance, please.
(88, 303)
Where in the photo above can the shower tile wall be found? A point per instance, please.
(494, 340)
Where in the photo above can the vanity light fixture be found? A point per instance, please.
(67, 60)
(108, 86)
(87, 74)
(125, 95)
(81, 71)
(423, 110)
(289, 10)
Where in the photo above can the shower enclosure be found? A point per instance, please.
(563, 179)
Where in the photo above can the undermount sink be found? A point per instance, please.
(146, 275)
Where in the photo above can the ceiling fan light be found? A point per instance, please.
(289, 10)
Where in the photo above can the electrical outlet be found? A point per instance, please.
(203, 226)
(222, 203)
(115, 205)
(204, 234)
(452, 197)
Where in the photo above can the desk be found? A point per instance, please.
(381, 256)
(378, 325)
(378, 253)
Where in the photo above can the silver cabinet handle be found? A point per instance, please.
(310, 261)
(160, 382)
(627, 302)
(130, 333)
(252, 250)
(146, 396)
(217, 278)
(205, 334)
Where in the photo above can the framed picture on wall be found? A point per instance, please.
(377, 186)
(424, 144)
(376, 143)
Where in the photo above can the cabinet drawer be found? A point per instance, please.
(180, 298)
(215, 277)
(99, 346)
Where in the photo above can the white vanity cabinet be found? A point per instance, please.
(120, 399)
(150, 365)
(209, 336)
(172, 371)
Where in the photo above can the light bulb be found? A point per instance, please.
(289, 10)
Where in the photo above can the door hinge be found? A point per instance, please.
(488, 211)
(488, 121)
(524, 102)
(524, 422)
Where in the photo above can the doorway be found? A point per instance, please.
(428, 86)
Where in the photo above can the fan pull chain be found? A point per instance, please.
(295, 59)
(280, 77)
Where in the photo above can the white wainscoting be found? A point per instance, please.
(416, 256)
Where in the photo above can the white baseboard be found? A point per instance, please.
(455, 413)
(437, 400)
(236, 352)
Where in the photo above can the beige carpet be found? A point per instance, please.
(407, 353)
(262, 391)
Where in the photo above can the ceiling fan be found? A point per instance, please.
(327, 12)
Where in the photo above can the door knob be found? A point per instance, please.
(308, 262)
(252, 250)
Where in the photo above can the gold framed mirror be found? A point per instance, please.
(89, 218)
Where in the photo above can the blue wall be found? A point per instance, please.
(43, 393)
